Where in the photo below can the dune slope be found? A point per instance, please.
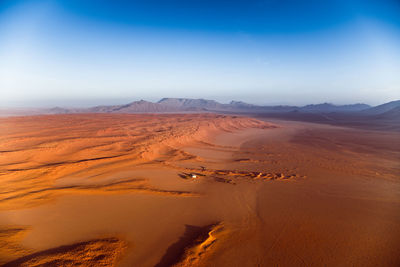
(196, 190)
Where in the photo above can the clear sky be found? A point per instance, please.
(82, 52)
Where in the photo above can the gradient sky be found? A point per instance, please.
(80, 53)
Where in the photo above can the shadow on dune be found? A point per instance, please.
(193, 235)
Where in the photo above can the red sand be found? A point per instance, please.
(105, 189)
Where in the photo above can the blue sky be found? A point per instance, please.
(80, 53)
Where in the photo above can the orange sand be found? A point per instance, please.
(117, 189)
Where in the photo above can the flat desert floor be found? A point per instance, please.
(196, 190)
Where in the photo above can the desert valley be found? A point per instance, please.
(198, 189)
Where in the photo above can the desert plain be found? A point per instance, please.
(196, 190)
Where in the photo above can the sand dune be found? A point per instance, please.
(192, 246)
(58, 147)
(195, 190)
(203, 243)
(37, 196)
(99, 252)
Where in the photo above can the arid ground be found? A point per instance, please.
(196, 190)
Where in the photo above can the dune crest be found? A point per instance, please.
(196, 253)
(88, 145)
(193, 246)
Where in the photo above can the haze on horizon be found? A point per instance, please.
(69, 52)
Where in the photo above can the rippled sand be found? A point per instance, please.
(195, 190)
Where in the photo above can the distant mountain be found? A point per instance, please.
(177, 105)
(212, 105)
(327, 107)
(382, 108)
(58, 110)
(134, 107)
(142, 106)
(393, 114)
(188, 103)
(241, 104)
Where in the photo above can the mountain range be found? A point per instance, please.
(177, 105)
(187, 105)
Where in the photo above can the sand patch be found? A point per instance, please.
(97, 252)
(10, 238)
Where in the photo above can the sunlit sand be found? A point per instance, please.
(195, 190)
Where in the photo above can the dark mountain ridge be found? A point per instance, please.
(179, 105)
